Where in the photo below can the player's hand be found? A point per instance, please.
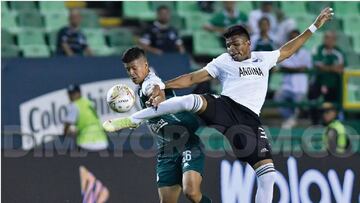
(324, 16)
(157, 96)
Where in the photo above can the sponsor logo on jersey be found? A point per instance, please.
(157, 126)
(245, 71)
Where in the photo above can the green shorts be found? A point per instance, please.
(169, 169)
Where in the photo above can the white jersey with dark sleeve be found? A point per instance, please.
(245, 82)
(149, 82)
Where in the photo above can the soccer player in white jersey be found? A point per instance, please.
(244, 77)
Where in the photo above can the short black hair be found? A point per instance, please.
(73, 88)
(162, 7)
(132, 54)
(264, 19)
(236, 30)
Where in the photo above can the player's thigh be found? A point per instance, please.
(249, 143)
(192, 166)
(169, 171)
(216, 113)
(169, 194)
(191, 181)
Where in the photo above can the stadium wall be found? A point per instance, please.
(32, 176)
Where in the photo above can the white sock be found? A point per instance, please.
(191, 102)
(265, 183)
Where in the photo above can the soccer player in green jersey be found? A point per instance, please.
(180, 159)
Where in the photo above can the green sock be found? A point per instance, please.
(205, 199)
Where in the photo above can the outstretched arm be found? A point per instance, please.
(187, 80)
(292, 46)
(183, 81)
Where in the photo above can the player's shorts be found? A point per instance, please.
(240, 125)
(169, 169)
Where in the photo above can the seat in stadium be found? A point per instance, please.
(7, 38)
(4, 7)
(52, 40)
(315, 7)
(23, 6)
(356, 42)
(35, 51)
(291, 8)
(95, 37)
(119, 50)
(195, 21)
(314, 42)
(102, 51)
(245, 7)
(8, 22)
(303, 20)
(334, 25)
(53, 7)
(9, 51)
(155, 4)
(353, 60)
(352, 25)
(346, 8)
(138, 10)
(275, 81)
(206, 43)
(55, 21)
(120, 37)
(30, 37)
(344, 42)
(30, 19)
(89, 18)
(185, 8)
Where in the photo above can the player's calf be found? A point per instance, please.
(265, 183)
(191, 187)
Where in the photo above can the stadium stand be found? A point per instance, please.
(187, 17)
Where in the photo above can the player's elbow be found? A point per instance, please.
(284, 54)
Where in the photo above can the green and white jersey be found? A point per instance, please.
(173, 131)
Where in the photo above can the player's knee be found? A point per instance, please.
(166, 200)
(191, 193)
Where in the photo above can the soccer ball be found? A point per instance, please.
(120, 98)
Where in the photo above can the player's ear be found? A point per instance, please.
(146, 65)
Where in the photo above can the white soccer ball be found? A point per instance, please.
(120, 98)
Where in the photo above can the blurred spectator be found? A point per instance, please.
(329, 61)
(284, 27)
(70, 40)
(206, 6)
(161, 37)
(334, 138)
(263, 41)
(81, 113)
(228, 17)
(295, 82)
(264, 11)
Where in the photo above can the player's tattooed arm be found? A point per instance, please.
(292, 46)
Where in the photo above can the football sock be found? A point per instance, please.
(191, 102)
(265, 183)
